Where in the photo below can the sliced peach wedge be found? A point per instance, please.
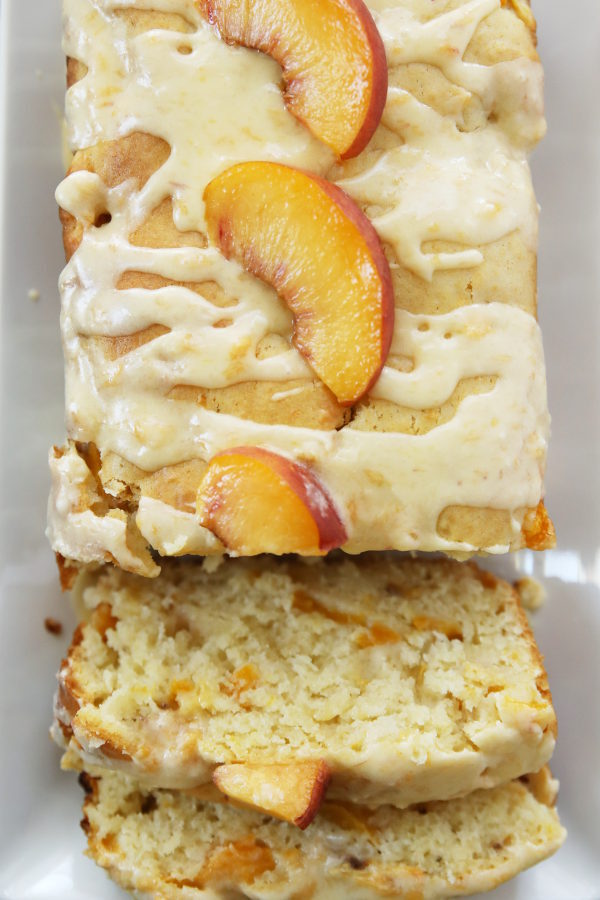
(312, 243)
(332, 56)
(289, 791)
(256, 501)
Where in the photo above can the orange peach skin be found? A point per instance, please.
(311, 242)
(290, 791)
(332, 56)
(256, 501)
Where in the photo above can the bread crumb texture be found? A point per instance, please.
(532, 593)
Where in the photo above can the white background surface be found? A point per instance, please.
(40, 841)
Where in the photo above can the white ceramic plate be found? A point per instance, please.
(40, 842)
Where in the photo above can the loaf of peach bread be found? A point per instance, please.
(299, 307)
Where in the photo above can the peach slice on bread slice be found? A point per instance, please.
(311, 242)
(289, 791)
(332, 56)
(256, 501)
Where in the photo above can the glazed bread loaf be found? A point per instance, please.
(175, 353)
(412, 679)
(171, 845)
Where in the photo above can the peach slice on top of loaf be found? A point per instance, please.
(332, 56)
(257, 501)
(312, 243)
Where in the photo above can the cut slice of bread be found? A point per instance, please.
(173, 845)
(413, 680)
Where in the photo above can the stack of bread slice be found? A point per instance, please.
(393, 708)
(299, 318)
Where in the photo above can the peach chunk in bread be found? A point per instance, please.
(256, 501)
(311, 242)
(332, 56)
(289, 791)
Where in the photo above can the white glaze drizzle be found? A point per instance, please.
(475, 173)
(219, 105)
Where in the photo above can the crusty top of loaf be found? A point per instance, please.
(447, 451)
